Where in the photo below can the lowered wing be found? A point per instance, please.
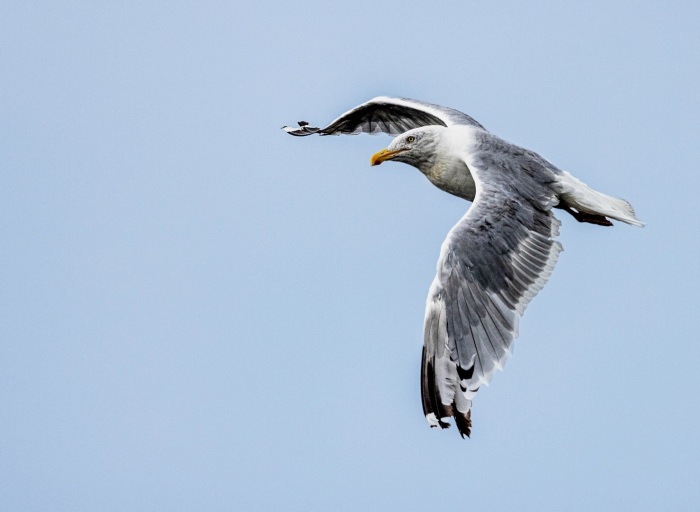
(494, 260)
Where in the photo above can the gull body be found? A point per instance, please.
(444, 154)
(496, 258)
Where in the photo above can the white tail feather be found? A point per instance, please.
(583, 198)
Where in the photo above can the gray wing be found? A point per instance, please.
(387, 115)
(494, 260)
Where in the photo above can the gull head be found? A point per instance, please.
(417, 147)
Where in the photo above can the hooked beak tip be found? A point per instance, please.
(383, 155)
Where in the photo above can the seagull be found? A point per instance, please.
(496, 258)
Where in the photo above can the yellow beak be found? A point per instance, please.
(384, 155)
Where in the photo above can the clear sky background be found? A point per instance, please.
(201, 313)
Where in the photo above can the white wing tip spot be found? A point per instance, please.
(432, 419)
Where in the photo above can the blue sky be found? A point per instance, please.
(200, 312)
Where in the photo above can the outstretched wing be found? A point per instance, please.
(494, 260)
(387, 115)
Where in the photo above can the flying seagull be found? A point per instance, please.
(496, 258)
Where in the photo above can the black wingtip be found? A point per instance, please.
(303, 130)
(464, 423)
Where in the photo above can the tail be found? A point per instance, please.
(577, 195)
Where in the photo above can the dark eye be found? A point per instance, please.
(410, 139)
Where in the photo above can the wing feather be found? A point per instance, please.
(494, 261)
(392, 116)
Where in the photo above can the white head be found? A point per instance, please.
(417, 147)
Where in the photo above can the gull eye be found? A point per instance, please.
(410, 139)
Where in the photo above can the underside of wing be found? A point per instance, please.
(392, 116)
(494, 261)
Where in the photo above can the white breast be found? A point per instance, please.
(451, 172)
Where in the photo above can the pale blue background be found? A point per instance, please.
(201, 313)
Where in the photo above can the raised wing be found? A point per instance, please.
(392, 116)
(494, 260)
